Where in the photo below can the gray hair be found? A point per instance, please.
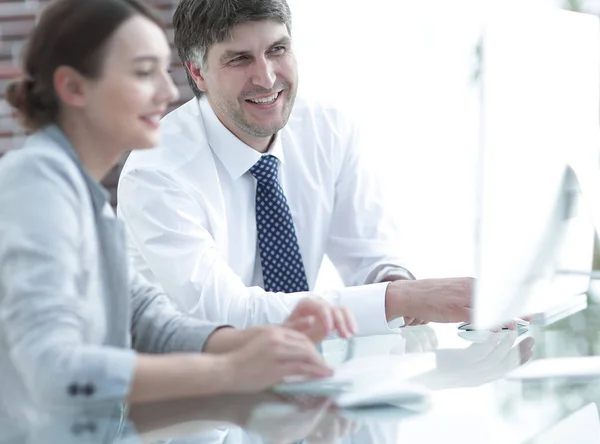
(199, 24)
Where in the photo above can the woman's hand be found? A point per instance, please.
(271, 356)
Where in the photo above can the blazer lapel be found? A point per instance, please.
(111, 242)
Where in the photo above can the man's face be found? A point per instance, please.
(252, 79)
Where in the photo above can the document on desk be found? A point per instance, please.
(363, 372)
(576, 368)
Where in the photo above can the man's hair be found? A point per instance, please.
(199, 24)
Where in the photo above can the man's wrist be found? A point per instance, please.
(397, 299)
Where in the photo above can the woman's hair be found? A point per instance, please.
(70, 33)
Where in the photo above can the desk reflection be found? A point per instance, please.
(273, 418)
(480, 363)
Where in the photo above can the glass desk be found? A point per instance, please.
(471, 400)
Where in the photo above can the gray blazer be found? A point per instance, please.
(71, 308)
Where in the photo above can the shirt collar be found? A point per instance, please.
(235, 155)
(100, 196)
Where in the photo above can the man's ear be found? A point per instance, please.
(70, 86)
(196, 74)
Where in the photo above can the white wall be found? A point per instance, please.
(405, 68)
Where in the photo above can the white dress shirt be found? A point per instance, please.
(189, 208)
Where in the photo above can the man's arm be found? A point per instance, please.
(166, 225)
(364, 245)
(159, 327)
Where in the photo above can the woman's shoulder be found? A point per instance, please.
(40, 167)
(40, 159)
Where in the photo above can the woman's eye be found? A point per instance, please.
(143, 74)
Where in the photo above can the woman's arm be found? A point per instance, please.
(43, 314)
(315, 318)
(177, 376)
(42, 311)
(266, 358)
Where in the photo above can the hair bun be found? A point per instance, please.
(18, 90)
(21, 96)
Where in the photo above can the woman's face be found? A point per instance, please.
(124, 105)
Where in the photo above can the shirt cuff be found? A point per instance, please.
(391, 270)
(120, 368)
(367, 304)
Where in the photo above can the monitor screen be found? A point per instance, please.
(540, 100)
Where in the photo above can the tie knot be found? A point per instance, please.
(265, 170)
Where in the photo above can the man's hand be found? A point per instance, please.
(430, 300)
(317, 319)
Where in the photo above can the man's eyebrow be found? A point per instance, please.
(285, 41)
(231, 54)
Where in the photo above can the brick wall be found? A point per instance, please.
(17, 18)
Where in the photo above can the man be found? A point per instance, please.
(233, 214)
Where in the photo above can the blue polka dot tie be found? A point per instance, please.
(283, 270)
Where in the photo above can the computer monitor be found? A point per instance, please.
(540, 122)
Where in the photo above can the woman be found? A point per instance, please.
(95, 87)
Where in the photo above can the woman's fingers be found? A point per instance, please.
(302, 325)
(299, 346)
(350, 321)
(321, 310)
(304, 369)
(325, 320)
(343, 322)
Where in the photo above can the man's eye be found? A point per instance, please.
(277, 50)
(238, 60)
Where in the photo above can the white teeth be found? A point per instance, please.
(154, 118)
(266, 100)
